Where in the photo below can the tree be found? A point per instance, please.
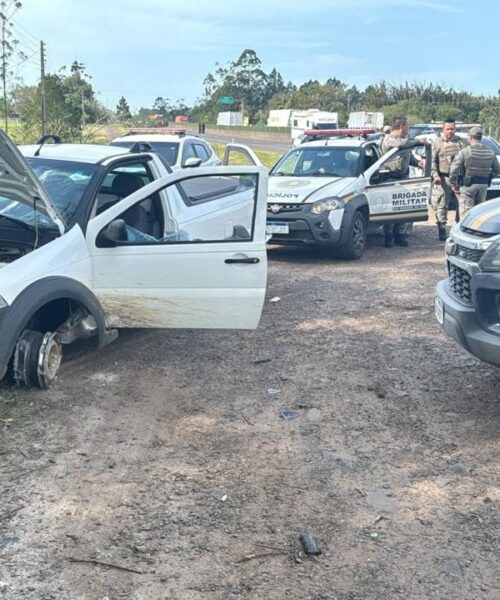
(245, 81)
(123, 110)
(8, 8)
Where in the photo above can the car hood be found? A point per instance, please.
(484, 218)
(295, 190)
(19, 183)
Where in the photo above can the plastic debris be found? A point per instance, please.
(309, 544)
(273, 391)
(288, 415)
(224, 498)
(374, 535)
(275, 299)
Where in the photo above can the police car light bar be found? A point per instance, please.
(338, 132)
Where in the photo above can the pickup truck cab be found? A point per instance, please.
(467, 303)
(328, 191)
(94, 238)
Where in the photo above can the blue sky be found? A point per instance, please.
(142, 49)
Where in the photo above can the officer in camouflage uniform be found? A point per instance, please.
(399, 168)
(444, 150)
(472, 171)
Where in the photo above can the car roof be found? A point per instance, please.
(154, 137)
(85, 153)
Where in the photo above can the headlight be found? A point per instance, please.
(327, 204)
(3, 302)
(449, 246)
(490, 260)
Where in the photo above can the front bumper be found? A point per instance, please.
(465, 324)
(306, 228)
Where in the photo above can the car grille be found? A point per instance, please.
(460, 283)
(285, 207)
(469, 253)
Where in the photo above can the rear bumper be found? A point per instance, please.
(461, 322)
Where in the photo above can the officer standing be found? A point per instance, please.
(444, 150)
(472, 171)
(399, 168)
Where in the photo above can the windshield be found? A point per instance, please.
(319, 161)
(66, 182)
(169, 150)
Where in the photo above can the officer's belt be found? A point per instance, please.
(472, 180)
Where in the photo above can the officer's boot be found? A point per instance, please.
(389, 239)
(442, 235)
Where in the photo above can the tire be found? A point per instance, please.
(355, 245)
(37, 358)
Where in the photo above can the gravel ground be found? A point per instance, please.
(161, 467)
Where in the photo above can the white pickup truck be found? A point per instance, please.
(94, 238)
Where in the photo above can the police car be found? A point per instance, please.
(467, 302)
(327, 192)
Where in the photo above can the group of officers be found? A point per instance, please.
(462, 170)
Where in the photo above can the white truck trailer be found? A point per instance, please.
(313, 118)
(364, 119)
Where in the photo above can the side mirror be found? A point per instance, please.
(191, 162)
(112, 235)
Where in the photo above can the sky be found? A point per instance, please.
(142, 49)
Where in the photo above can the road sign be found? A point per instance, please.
(226, 100)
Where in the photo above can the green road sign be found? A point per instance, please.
(226, 100)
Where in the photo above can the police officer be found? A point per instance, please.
(399, 168)
(472, 171)
(444, 150)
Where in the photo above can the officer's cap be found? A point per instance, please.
(476, 132)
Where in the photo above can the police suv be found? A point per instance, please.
(467, 303)
(327, 191)
(94, 238)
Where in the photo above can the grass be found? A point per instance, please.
(267, 157)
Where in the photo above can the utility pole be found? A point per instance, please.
(42, 89)
(4, 69)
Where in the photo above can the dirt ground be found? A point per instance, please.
(166, 457)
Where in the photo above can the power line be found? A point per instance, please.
(35, 38)
(24, 40)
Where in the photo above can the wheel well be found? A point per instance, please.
(52, 315)
(364, 211)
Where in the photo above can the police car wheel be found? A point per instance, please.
(355, 245)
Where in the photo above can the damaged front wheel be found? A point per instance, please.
(37, 358)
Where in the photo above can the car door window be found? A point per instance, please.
(370, 157)
(188, 152)
(201, 152)
(120, 182)
(201, 209)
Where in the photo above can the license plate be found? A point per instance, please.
(439, 310)
(275, 227)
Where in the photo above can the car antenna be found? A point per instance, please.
(43, 140)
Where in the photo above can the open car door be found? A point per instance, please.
(393, 200)
(240, 154)
(185, 251)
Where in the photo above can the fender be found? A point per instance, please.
(13, 319)
(351, 206)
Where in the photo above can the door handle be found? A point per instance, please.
(248, 260)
